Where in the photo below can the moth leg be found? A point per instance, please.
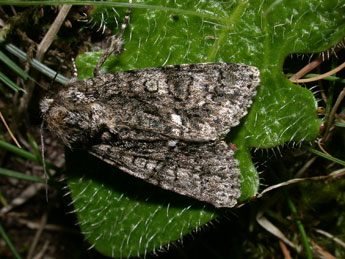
(116, 45)
(75, 72)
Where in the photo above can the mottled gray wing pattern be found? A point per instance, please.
(196, 102)
(207, 172)
(163, 125)
(193, 102)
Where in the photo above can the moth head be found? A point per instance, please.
(45, 104)
(73, 124)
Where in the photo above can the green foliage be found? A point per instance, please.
(122, 216)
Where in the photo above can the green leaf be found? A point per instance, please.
(25, 154)
(9, 243)
(13, 66)
(122, 216)
(9, 82)
(22, 176)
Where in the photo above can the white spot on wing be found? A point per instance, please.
(176, 119)
(172, 143)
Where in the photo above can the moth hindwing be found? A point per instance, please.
(164, 125)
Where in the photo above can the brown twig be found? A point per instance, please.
(53, 30)
(41, 253)
(337, 173)
(305, 166)
(315, 63)
(332, 115)
(284, 250)
(339, 118)
(324, 254)
(308, 80)
(323, 93)
(48, 227)
(268, 225)
(335, 239)
(305, 70)
(37, 235)
(41, 50)
(29, 192)
(9, 130)
(321, 147)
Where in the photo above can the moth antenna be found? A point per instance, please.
(75, 69)
(125, 22)
(44, 162)
(116, 45)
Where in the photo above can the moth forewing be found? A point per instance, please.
(164, 124)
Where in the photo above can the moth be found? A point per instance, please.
(165, 125)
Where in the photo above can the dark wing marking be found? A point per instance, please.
(207, 172)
